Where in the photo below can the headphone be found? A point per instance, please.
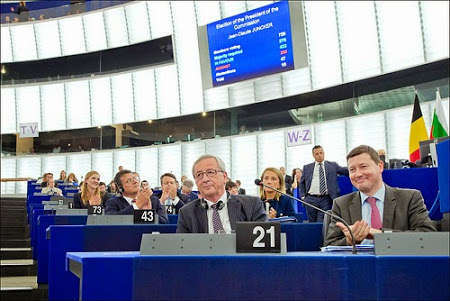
(205, 206)
(118, 182)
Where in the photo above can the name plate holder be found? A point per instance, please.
(193, 244)
(67, 211)
(412, 243)
(109, 219)
(55, 207)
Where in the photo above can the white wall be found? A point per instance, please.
(245, 155)
(347, 40)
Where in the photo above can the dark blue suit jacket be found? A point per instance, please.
(283, 206)
(190, 197)
(193, 218)
(332, 169)
(119, 206)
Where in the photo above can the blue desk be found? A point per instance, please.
(36, 200)
(36, 213)
(41, 245)
(41, 220)
(63, 239)
(297, 275)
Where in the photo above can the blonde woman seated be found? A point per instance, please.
(90, 194)
(276, 204)
(51, 189)
(62, 176)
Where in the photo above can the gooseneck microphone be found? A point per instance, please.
(260, 183)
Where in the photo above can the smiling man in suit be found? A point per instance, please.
(375, 206)
(318, 184)
(132, 197)
(217, 211)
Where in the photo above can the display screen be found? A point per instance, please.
(251, 44)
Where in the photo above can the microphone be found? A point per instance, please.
(260, 183)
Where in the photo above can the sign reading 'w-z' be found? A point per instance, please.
(299, 136)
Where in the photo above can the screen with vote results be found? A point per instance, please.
(252, 44)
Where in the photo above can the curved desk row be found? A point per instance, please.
(295, 276)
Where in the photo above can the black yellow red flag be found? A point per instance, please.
(417, 132)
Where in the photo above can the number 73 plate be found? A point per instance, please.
(258, 237)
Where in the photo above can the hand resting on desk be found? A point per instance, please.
(361, 230)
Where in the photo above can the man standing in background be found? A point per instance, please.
(318, 184)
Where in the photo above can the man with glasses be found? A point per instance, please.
(217, 211)
(132, 197)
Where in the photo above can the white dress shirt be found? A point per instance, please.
(223, 214)
(172, 202)
(130, 201)
(53, 190)
(315, 183)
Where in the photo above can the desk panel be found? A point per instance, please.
(296, 275)
(63, 285)
(300, 237)
(44, 221)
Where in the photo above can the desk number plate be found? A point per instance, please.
(95, 210)
(170, 209)
(144, 216)
(256, 237)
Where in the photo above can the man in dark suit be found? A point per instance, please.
(318, 184)
(217, 211)
(376, 205)
(186, 191)
(287, 180)
(169, 196)
(240, 189)
(133, 197)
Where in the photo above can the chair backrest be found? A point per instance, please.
(326, 224)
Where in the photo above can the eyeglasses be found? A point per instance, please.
(210, 173)
(132, 180)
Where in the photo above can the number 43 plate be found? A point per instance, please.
(258, 237)
(144, 216)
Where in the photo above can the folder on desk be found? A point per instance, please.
(359, 248)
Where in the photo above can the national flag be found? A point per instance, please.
(439, 125)
(417, 132)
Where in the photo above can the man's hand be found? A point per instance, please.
(360, 231)
(164, 196)
(372, 232)
(143, 199)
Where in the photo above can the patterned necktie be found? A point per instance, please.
(323, 186)
(217, 223)
(375, 219)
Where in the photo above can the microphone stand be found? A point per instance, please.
(260, 183)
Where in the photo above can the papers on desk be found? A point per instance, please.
(359, 248)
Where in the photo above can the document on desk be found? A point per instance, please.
(359, 248)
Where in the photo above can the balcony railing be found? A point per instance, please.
(60, 11)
